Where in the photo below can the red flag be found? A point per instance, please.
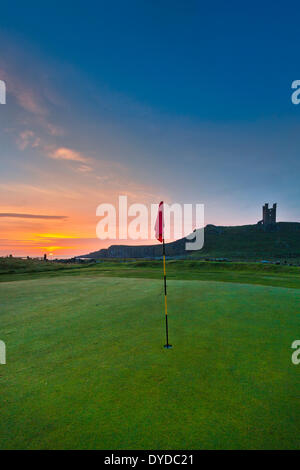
(159, 224)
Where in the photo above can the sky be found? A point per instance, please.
(181, 101)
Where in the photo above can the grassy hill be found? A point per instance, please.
(252, 242)
(246, 242)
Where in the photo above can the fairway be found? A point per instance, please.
(86, 366)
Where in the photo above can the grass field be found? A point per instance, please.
(86, 367)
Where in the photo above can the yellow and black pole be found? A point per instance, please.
(167, 345)
(159, 234)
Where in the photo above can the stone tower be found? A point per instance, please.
(269, 214)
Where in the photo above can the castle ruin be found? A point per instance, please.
(269, 215)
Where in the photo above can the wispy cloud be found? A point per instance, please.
(54, 130)
(31, 94)
(25, 96)
(64, 153)
(28, 138)
(84, 169)
(61, 236)
(31, 216)
(29, 101)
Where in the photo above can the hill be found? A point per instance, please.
(239, 242)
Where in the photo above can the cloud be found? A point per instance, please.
(26, 96)
(55, 131)
(27, 138)
(31, 94)
(64, 153)
(31, 216)
(84, 169)
(29, 101)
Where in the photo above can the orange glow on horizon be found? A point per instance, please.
(63, 192)
(55, 248)
(56, 235)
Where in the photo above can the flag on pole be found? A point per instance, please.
(159, 234)
(159, 225)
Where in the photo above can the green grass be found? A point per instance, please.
(19, 265)
(86, 367)
(237, 272)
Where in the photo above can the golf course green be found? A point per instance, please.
(86, 367)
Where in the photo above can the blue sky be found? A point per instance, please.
(219, 61)
(186, 101)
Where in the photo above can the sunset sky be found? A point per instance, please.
(188, 102)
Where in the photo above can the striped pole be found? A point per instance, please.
(167, 345)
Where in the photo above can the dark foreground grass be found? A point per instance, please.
(234, 272)
(86, 367)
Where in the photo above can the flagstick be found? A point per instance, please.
(167, 346)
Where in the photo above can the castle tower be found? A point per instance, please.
(269, 214)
